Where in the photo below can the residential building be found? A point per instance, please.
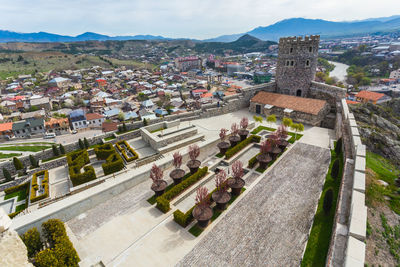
(109, 126)
(29, 127)
(58, 126)
(9, 105)
(41, 103)
(6, 130)
(78, 120)
(395, 75)
(95, 120)
(60, 82)
(188, 63)
(371, 97)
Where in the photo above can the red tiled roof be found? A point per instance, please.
(109, 126)
(301, 104)
(373, 96)
(6, 126)
(93, 116)
(352, 102)
(206, 95)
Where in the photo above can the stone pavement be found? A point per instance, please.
(270, 225)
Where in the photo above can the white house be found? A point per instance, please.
(94, 120)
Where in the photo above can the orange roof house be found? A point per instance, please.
(372, 97)
(6, 128)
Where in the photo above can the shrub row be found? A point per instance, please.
(61, 251)
(15, 188)
(104, 151)
(113, 164)
(76, 160)
(253, 161)
(163, 202)
(251, 139)
(35, 186)
(122, 150)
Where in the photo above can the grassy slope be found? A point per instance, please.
(21, 195)
(321, 231)
(24, 148)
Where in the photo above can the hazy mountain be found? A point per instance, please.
(301, 26)
(9, 36)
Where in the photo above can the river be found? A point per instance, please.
(340, 71)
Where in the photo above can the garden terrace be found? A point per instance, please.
(275, 215)
(126, 150)
(15, 199)
(294, 137)
(39, 186)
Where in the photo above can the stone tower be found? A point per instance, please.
(297, 63)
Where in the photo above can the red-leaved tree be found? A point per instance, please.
(265, 147)
(202, 200)
(156, 174)
(194, 152)
(244, 122)
(177, 160)
(282, 131)
(222, 134)
(220, 181)
(237, 169)
(274, 140)
(234, 128)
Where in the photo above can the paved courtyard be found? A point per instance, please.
(270, 225)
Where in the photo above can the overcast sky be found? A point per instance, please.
(177, 18)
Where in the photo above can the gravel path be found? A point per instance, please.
(270, 225)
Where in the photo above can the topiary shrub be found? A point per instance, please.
(46, 258)
(122, 150)
(233, 150)
(335, 169)
(76, 160)
(114, 163)
(31, 239)
(17, 164)
(35, 186)
(81, 145)
(62, 149)
(33, 161)
(104, 151)
(328, 198)
(338, 147)
(55, 150)
(86, 143)
(183, 219)
(7, 174)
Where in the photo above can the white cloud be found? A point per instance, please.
(176, 18)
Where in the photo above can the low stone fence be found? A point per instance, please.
(355, 225)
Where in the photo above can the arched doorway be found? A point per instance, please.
(298, 92)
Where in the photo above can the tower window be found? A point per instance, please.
(292, 63)
(310, 49)
(287, 63)
(291, 50)
(308, 63)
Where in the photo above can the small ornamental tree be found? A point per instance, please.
(271, 119)
(33, 161)
(220, 181)
(265, 147)
(328, 198)
(62, 149)
(86, 143)
(282, 131)
(237, 170)
(31, 239)
(6, 174)
(202, 200)
(335, 169)
(17, 164)
(244, 123)
(222, 134)
(156, 174)
(55, 150)
(297, 127)
(194, 152)
(234, 129)
(258, 119)
(274, 140)
(81, 145)
(287, 121)
(338, 147)
(177, 160)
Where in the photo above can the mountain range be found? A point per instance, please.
(287, 27)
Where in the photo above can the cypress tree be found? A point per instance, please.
(86, 143)
(81, 145)
(17, 164)
(335, 169)
(6, 174)
(33, 161)
(124, 127)
(338, 147)
(328, 198)
(55, 150)
(62, 149)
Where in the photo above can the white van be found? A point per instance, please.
(49, 135)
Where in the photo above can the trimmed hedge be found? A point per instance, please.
(183, 219)
(113, 164)
(253, 161)
(251, 139)
(31, 239)
(122, 150)
(76, 160)
(35, 186)
(163, 202)
(104, 151)
(15, 188)
(61, 251)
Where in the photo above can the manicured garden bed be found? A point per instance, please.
(114, 162)
(9, 155)
(294, 136)
(76, 161)
(22, 192)
(241, 145)
(152, 200)
(24, 148)
(321, 231)
(109, 138)
(21, 195)
(126, 150)
(35, 186)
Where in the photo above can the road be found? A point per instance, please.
(340, 71)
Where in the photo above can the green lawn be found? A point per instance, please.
(109, 138)
(157, 130)
(24, 148)
(321, 231)
(9, 155)
(21, 195)
(20, 207)
(387, 172)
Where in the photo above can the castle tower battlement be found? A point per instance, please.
(297, 63)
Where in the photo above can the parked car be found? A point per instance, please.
(49, 135)
(74, 131)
